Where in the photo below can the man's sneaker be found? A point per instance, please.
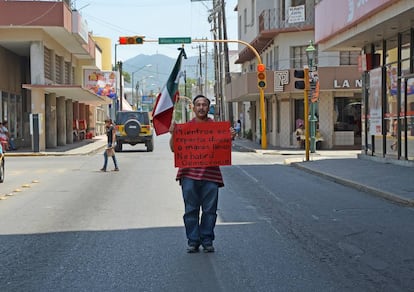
(103, 169)
(192, 249)
(208, 248)
(116, 169)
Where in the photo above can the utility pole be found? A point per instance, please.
(121, 93)
(200, 79)
(205, 70)
(226, 56)
(220, 63)
(216, 67)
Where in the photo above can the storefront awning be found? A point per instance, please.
(73, 92)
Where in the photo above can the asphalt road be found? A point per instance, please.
(70, 227)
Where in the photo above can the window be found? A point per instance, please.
(299, 57)
(270, 60)
(58, 69)
(48, 63)
(276, 59)
(252, 20)
(240, 26)
(348, 57)
(67, 72)
(245, 20)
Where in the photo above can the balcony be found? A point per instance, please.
(271, 21)
(24, 21)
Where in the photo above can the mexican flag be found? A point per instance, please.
(164, 106)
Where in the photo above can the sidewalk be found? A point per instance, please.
(392, 181)
(83, 147)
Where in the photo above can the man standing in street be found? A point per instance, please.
(200, 187)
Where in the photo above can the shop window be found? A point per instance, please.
(405, 47)
(4, 105)
(410, 106)
(299, 112)
(347, 114)
(391, 101)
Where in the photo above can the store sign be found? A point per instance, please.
(347, 83)
(281, 78)
(102, 83)
(147, 99)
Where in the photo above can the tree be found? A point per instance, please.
(127, 77)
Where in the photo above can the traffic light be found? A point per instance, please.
(131, 40)
(302, 74)
(261, 76)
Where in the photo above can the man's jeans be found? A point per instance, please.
(196, 194)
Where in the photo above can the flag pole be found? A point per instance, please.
(178, 97)
(164, 109)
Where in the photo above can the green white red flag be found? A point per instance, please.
(164, 106)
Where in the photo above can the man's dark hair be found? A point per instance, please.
(200, 96)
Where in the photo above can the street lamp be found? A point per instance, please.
(310, 54)
(132, 79)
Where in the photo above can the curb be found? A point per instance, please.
(358, 186)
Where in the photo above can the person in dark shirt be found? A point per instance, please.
(109, 151)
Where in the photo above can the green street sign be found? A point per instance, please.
(171, 41)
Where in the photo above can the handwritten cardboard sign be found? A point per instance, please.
(202, 144)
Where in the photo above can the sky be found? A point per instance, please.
(154, 19)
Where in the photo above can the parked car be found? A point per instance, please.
(134, 127)
(1, 164)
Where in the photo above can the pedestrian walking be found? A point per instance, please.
(237, 127)
(200, 188)
(109, 151)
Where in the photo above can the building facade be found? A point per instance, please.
(383, 32)
(280, 31)
(44, 49)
